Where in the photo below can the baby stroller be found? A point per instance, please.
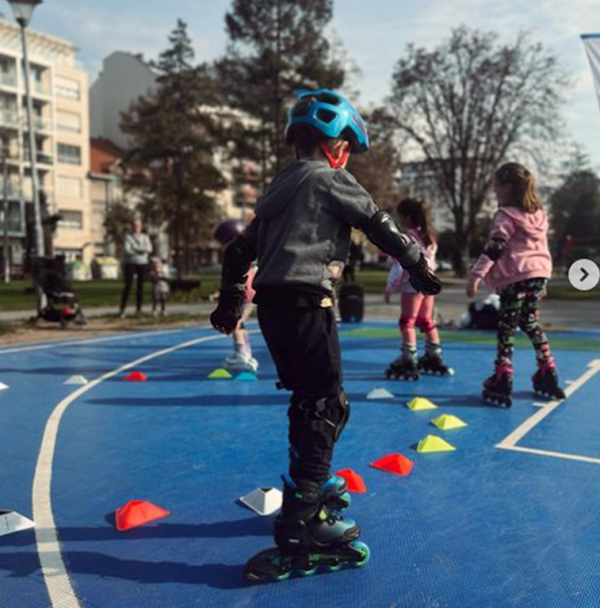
(56, 301)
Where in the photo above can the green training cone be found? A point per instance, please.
(420, 403)
(219, 374)
(447, 422)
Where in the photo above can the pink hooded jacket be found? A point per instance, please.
(526, 255)
(398, 278)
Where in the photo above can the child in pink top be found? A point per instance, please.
(416, 309)
(517, 263)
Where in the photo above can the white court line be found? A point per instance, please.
(54, 571)
(517, 448)
(510, 443)
(24, 349)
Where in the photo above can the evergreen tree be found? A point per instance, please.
(171, 161)
(575, 206)
(275, 48)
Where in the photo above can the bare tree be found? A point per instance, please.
(379, 168)
(470, 104)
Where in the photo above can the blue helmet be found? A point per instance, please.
(331, 114)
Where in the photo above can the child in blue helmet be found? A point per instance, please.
(300, 232)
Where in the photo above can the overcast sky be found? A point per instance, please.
(374, 33)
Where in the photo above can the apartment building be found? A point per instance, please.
(59, 88)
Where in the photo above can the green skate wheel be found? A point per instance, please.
(334, 567)
(308, 572)
(364, 550)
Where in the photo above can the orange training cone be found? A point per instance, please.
(136, 377)
(137, 513)
(353, 479)
(394, 463)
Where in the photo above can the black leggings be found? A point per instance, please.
(130, 271)
(305, 348)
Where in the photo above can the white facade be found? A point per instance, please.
(124, 78)
(60, 105)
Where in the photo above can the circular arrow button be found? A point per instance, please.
(584, 275)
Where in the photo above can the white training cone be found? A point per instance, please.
(3, 386)
(11, 521)
(264, 501)
(380, 393)
(77, 380)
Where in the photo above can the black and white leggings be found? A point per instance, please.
(519, 307)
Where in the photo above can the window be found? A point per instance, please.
(70, 186)
(66, 88)
(69, 155)
(71, 219)
(68, 121)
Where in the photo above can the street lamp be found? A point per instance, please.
(23, 11)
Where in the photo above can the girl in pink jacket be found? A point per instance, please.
(517, 263)
(416, 309)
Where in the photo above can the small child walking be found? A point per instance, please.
(241, 359)
(517, 262)
(160, 287)
(417, 309)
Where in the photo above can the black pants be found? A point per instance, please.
(305, 348)
(130, 271)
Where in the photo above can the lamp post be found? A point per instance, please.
(23, 11)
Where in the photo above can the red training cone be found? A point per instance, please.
(353, 479)
(137, 513)
(136, 377)
(394, 463)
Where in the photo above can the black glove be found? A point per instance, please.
(422, 279)
(228, 312)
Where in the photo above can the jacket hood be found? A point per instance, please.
(533, 224)
(283, 188)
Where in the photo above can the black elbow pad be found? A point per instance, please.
(238, 257)
(382, 231)
(495, 249)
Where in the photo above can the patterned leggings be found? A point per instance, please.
(519, 307)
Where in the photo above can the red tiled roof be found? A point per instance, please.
(103, 154)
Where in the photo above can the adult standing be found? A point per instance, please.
(138, 248)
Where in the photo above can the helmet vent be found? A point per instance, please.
(325, 115)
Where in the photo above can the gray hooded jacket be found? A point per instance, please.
(303, 224)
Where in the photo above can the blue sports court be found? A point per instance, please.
(510, 518)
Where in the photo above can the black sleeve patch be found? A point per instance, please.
(495, 249)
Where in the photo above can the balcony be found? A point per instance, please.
(40, 88)
(8, 79)
(13, 190)
(40, 124)
(9, 119)
(41, 158)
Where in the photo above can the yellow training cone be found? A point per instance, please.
(447, 422)
(219, 374)
(431, 443)
(420, 403)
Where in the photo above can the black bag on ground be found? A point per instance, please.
(351, 303)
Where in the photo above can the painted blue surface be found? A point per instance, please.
(478, 527)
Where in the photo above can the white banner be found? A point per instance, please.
(591, 42)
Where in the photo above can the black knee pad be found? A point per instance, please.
(326, 415)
